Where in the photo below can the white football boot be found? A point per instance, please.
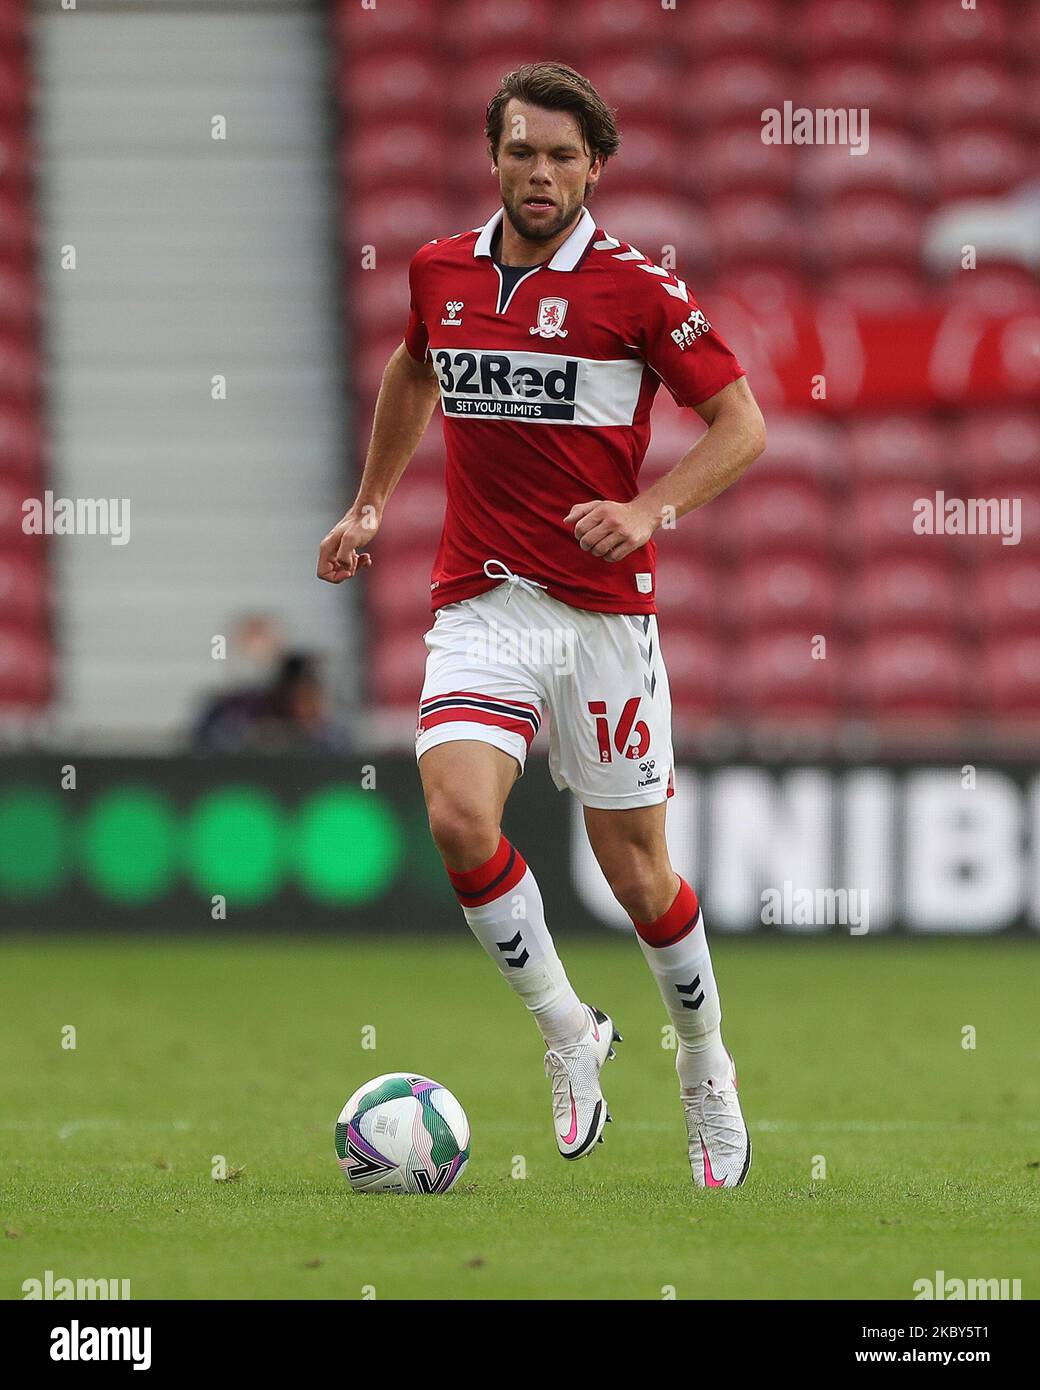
(579, 1109)
(720, 1146)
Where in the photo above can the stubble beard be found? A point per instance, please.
(540, 233)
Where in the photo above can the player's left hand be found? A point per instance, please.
(611, 530)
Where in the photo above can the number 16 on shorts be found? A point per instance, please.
(625, 729)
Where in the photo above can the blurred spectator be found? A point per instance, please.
(287, 714)
(256, 645)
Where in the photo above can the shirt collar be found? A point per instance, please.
(567, 256)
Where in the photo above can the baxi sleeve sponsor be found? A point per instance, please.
(673, 335)
(416, 338)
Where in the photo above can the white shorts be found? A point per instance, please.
(497, 662)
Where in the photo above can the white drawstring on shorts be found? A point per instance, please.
(504, 572)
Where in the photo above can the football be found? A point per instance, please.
(402, 1133)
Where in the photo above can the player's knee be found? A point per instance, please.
(642, 887)
(466, 833)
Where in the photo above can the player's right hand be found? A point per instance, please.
(338, 554)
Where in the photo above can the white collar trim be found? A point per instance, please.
(567, 256)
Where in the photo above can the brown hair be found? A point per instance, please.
(556, 87)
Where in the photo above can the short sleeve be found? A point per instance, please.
(416, 338)
(675, 338)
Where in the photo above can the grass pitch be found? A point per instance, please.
(850, 1053)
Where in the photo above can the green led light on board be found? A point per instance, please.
(33, 842)
(128, 844)
(235, 844)
(132, 844)
(348, 845)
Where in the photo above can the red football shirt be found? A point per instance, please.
(546, 394)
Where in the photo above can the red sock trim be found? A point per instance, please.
(502, 872)
(677, 922)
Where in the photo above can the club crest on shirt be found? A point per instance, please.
(551, 314)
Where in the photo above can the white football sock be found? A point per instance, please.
(681, 965)
(503, 906)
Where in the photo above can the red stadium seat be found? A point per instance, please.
(380, 298)
(400, 83)
(650, 159)
(770, 517)
(776, 676)
(879, 520)
(674, 430)
(698, 672)
(906, 593)
(687, 589)
(418, 513)
(1028, 494)
(893, 448)
(368, 373)
(793, 592)
(895, 161)
(979, 162)
(847, 28)
(389, 154)
(936, 32)
(1024, 35)
(756, 229)
(14, 86)
(397, 586)
(774, 290)
(637, 85)
(735, 160)
(17, 298)
(611, 26)
(397, 668)
(1029, 106)
(859, 82)
(19, 369)
(968, 94)
(23, 585)
(803, 448)
(16, 226)
(869, 229)
(14, 156)
(739, 28)
(14, 16)
(996, 289)
(1011, 672)
(900, 673)
(883, 289)
(476, 25)
(25, 662)
(1001, 449)
(652, 223)
(470, 85)
(20, 442)
(367, 31)
(396, 224)
(12, 495)
(1006, 594)
(733, 90)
